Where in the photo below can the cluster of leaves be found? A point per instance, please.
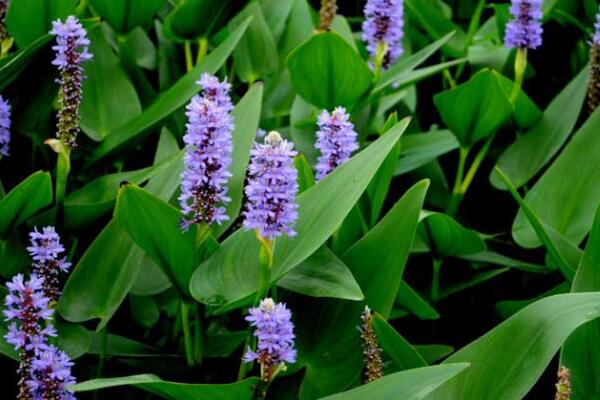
(137, 278)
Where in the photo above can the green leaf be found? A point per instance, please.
(520, 348)
(533, 150)
(328, 342)
(220, 281)
(473, 281)
(445, 237)
(525, 112)
(246, 115)
(306, 177)
(125, 15)
(155, 226)
(182, 22)
(243, 390)
(476, 109)
(413, 384)
(395, 346)
(24, 201)
(490, 257)
(419, 149)
(12, 65)
(580, 353)
(409, 300)
(327, 72)
(298, 28)
(256, 54)
(434, 352)
(566, 196)
(109, 98)
(171, 100)
(322, 275)
(29, 20)
(74, 339)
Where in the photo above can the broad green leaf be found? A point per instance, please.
(74, 339)
(581, 352)
(533, 150)
(276, 14)
(246, 116)
(29, 20)
(100, 281)
(109, 98)
(327, 72)
(322, 275)
(413, 384)
(144, 310)
(409, 300)
(298, 28)
(120, 346)
(304, 134)
(433, 352)
(490, 257)
(24, 201)
(507, 361)
(221, 281)
(445, 237)
(182, 22)
(306, 177)
(223, 344)
(155, 226)
(329, 346)
(474, 110)
(171, 100)
(567, 195)
(508, 308)
(525, 112)
(395, 346)
(419, 149)
(473, 281)
(256, 54)
(341, 26)
(243, 390)
(123, 16)
(12, 65)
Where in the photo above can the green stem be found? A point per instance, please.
(101, 355)
(202, 49)
(476, 164)
(435, 282)
(520, 67)
(460, 170)
(380, 52)
(187, 336)
(473, 28)
(198, 337)
(189, 64)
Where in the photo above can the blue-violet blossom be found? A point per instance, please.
(208, 154)
(51, 375)
(45, 250)
(274, 330)
(384, 23)
(336, 139)
(4, 127)
(524, 30)
(272, 187)
(71, 51)
(594, 76)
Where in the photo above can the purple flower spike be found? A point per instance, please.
(71, 51)
(3, 32)
(4, 127)
(208, 154)
(336, 139)
(27, 309)
(384, 22)
(45, 250)
(525, 28)
(51, 375)
(274, 330)
(272, 187)
(596, 38)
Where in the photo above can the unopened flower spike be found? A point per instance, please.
(594, 77)
(3, 31)
(51, 375)
(208, 154)
(272, 186)
(336, 140)
(5, 123)
(383, 28)
(327, 14)
(71, 52)
(524, 30)
(45, 249)
(373, 366)
(27, 310)
(563, 387)
(274, 331)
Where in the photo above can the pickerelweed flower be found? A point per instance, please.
(3, 31)
(274, 330)
(27, 309)
(4, 127)
(563, 387)
(327, 14)
(594, 77)
(384, 23)
(208, 154)
(525, 28)
(272, 186)
(71, 51)
(45, 250)
(373, 366)
(336, 139)
(51, 375)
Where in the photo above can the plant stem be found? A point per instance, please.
(476, 164)
(101, 355)
(187, 336)
(202, 49)
(435, 282)
(189, 64)
(520, 67)
(198, 337)
(460, 170)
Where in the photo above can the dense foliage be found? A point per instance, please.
(282, 199)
